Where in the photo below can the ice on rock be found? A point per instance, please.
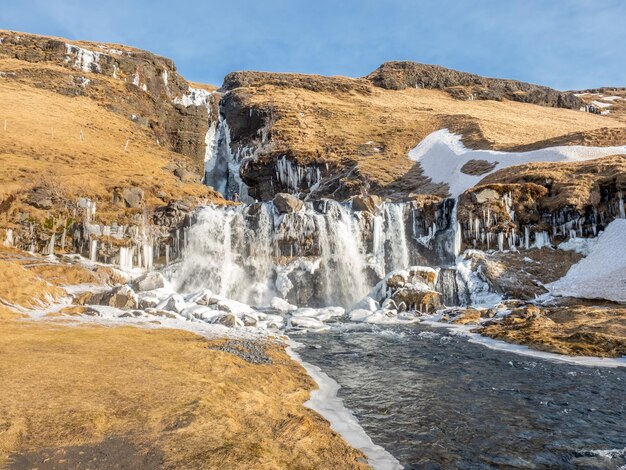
(148, 301)
(282, 305)
(367, 304)
(321, 314)
(82, 59)
(308, 323)
(149, 281)
(202, 297)
(359, 315)
(194, 97)
(174, 303)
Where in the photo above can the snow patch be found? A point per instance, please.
(602, 274)
(442, 155)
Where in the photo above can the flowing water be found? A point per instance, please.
(325, 254)
(430, 397)
(435, 400)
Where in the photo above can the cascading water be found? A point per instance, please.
(325, 254)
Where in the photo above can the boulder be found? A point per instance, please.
(228, 320)
(249, 320)
(282, 305)
(149, 281)
(486, 195)
(174, 303)
(41, 198)
(204, 297)
(148, 302)
(122, 297)
(366, 203)
(133, 197)
(287, 204)
(416, 298)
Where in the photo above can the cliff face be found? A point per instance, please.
(339, 137)
(133, 83)
(462, 85)
(537, 202)
(108, 126)
(102, 148)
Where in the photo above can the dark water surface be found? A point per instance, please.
(435, 400)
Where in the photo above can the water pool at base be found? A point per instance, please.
(435, 400)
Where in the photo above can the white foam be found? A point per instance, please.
(325, 401)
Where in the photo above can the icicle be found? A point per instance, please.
(526, 237)
(93, 250)
(51, 245)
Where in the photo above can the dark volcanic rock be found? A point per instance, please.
(401, 75)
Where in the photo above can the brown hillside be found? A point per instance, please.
(363, 133)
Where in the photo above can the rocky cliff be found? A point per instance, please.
(339, 137)
(102, 146)
(462, 85)
(105, 146)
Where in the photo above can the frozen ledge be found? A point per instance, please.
(325, 401)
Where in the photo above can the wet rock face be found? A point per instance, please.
(401, 75)
(287, 204)
(366, 203)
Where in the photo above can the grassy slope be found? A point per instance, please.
(42, 144)
(158, 391)
(336, 125)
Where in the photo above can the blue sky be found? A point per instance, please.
(567, 44)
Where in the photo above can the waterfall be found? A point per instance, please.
(222, 166)
(325, 254)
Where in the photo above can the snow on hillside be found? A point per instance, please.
(602, 274)
(442, 155)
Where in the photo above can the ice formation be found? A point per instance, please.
(222, 166)
(253, 253)
(82, 59)
(296, 177)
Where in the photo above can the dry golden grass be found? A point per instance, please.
(65, 386)
(163, 390)
(577, 330)
(42, 143)
(331, 126)
(20, 286)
